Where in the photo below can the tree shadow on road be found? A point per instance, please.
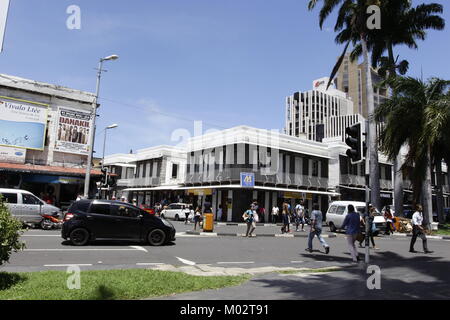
(416, 277)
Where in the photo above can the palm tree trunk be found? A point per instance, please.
(398, 175)
(373, 142)
(427, 193)
(439, 195)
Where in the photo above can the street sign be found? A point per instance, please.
(4, 6)
(247, 180)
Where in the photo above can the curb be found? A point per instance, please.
(261, 235)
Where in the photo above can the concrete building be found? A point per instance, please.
(44, 132)
(307, 112)
(351, 80)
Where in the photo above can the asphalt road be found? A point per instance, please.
(46, 250)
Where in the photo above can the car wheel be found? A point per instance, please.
(177, 217)
(332, 227)
(156, 237)
(46, 225)
(79, 237)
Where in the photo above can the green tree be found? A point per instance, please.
(10, 232)
(351, 25)
(402, 24)
(416, 115)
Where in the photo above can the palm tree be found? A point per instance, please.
(416, 115)
(402, 24)
(351, 24)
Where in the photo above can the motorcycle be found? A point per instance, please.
(51, 221)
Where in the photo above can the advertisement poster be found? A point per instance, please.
(12, 155)
(22, 123)
(73, 130)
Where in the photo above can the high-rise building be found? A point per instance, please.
(351, 80)
(308, 112)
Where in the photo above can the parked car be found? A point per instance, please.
(89, 220)
(338, 210)
(446, 215)
(176, 211)
(26, 207)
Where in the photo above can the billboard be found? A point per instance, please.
(22, 123)
(12, 155)
(73, 131)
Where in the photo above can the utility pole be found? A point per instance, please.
(367, 174)
(87, 178)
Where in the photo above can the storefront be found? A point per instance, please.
(56, 185)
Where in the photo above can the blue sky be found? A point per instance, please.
(223, 62)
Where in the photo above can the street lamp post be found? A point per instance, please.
(94, 116)
(104, 142)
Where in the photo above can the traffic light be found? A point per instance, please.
(355, 142)
(104, 178)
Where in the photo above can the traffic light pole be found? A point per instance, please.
(367, 174)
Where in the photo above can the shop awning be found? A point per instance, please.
(52, 179)
(174, 188)
(50, 170)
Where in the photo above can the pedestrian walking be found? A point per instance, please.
(372, 227)
(418, 230)
(352, 223)
(187, 213)
(300, 216)
(285, 219)
(219, 213)
(197, 217)
(389, 222)
(275, 213)
(316, 229)
(248, 217)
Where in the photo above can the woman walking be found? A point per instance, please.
(285, 219)
(352, 228)
(197, 217)
(248, 217)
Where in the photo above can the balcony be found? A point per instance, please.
(139, 182)
(233, 176)
(353, 180)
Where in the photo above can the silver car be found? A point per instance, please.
(25, 206)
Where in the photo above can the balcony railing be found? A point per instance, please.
(386, 184)
(139, 182)
(350, 179)
(233, 175)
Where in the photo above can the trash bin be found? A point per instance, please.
(208, 222)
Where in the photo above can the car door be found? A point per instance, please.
(100, 221)
(340, 216)
(128, 221)
(12, 202)
(31, 208)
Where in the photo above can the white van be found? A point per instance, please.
(25, 206)
(176, 211)
(338, 210)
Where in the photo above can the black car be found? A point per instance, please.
(89, 220)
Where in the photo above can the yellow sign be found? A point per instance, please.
(201, 192)
(292, 195)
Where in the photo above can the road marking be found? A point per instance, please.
(236, 262)
(67, 265)
(190, 263)
(68, 250)
(149, 264)
(41, 235)
(139, 248)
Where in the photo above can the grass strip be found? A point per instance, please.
(107, 284)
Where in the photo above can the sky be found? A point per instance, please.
(222, 62)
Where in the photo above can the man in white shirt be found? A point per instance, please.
(418, 230)
(300, 215)
(275, 212)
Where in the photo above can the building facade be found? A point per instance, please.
(44, 138)
(307, 112)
